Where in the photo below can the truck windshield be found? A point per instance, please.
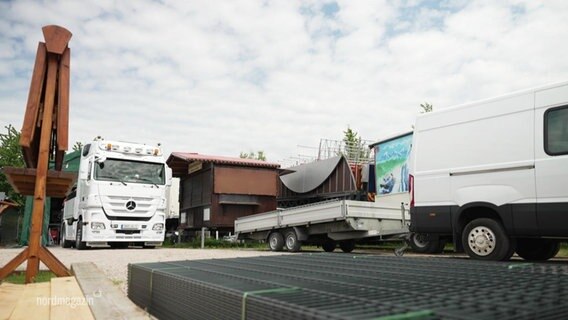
(130, 171)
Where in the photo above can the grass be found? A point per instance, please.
(563, 250)
(19, 277)
(216, 244)
(388, 246)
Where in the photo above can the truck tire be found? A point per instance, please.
(329, 245)
(425, 243)
(292, 242)
(485, 239)
(275, 241)
(347, 245)
(79, 243)
(63, 242)
(537, 249)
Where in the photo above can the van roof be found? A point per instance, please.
(496, 98)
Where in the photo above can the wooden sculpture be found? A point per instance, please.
(44, 137)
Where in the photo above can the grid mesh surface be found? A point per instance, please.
(346, 286)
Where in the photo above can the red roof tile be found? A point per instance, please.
(222, 160)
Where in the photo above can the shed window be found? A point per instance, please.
(556, 131)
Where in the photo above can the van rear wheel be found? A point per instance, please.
(537, 249)
(485, 239)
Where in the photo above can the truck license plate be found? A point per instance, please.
(129, 226)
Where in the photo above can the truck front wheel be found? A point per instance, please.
(485, 239)
(275, 241)
(79, 243)
(537, 249)
(292, 242)
(63, 241)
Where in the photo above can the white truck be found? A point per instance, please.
(493, 175)
(120, 197)
(326, 224)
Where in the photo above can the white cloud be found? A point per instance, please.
(228, 76)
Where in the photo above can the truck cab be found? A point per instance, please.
(120, 197)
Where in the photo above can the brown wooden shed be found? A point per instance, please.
(215, 190)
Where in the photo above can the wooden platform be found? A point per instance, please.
(60, 299)
(23, 181)
(87, 295)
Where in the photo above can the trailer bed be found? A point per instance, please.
(364, 218)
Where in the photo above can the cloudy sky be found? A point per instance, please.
(221, 77)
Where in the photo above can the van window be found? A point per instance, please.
(556, 131)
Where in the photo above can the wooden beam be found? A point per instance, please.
(13, 264)
(34, 98)
(63, 100)
(52, 263)
(41, 176)
(56, 38)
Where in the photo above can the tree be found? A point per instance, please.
(10, 156)
(77, 146)
(258, 156)
(353, 148)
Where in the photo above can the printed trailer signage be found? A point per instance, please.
(391, 159)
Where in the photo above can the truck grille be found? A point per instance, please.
(117, 206)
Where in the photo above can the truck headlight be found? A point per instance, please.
(158, 227)
(97, 225)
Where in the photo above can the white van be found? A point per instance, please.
(493, 175)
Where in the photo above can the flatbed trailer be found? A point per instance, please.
(328, 224)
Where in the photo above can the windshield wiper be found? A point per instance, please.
(148, 180)
(113, 179)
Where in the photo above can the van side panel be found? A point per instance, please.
(504, 158)
(478, 153)
(552, 169)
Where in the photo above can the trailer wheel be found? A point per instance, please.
(424, 243)
(292, 242)
(347, 245)
(537, 249)
(63, 242)
(485, 239)
(328, 245)
(79, 243)
(275, 241)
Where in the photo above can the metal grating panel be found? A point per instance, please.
(346, 286)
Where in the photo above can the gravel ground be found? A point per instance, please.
(114, 262)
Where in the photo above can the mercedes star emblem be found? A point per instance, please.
(130, 205)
